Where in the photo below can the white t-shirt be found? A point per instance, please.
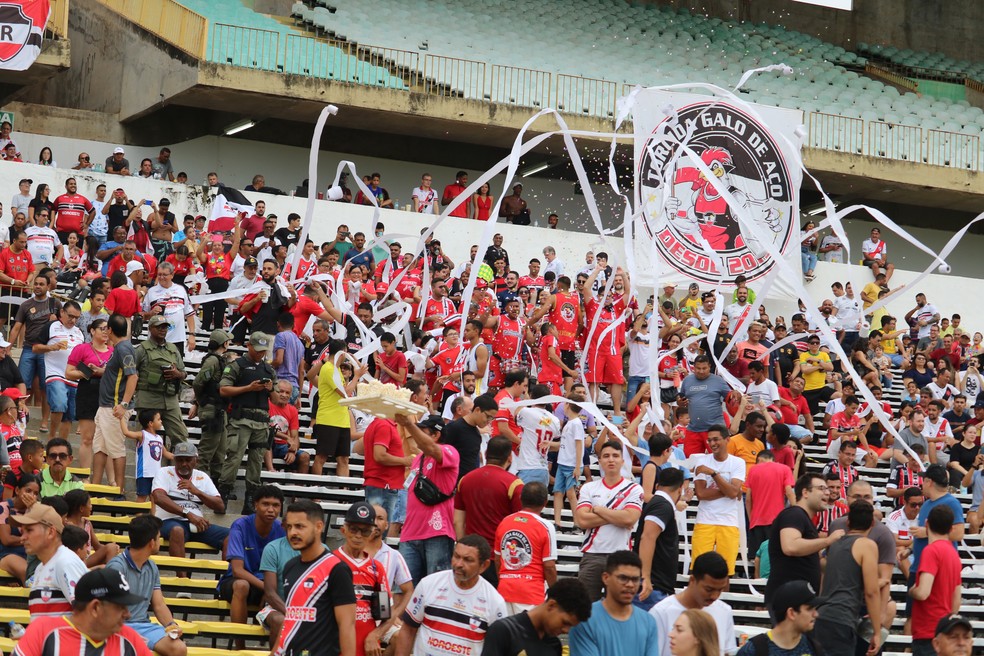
(639, 355)
(449, 618)
(706, 317)
(943, 394)
(426, 200)
(925, 313)
(833, 407)
(100, 222)
(394, 565)
(901, 525)
(42, 243)
(972, 388)
(836, 255)
(54, 582)
(150, 451)
(939, 428)
(878, 249)
(21, 203)
(768, 391)
(540, 428)
(56, 361)
(736, 313)
(167, 480)
(723, 511)
(848, 312)
(177, 306)
(557, 266)
(667, 611)
(606, 539)
(572, 434)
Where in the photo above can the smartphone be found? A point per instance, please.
(85, 370)
(148, 203)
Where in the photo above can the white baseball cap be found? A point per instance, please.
(133, 266)
(118, 150)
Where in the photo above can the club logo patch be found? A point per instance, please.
(683, 208)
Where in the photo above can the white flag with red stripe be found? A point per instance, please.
(226, 207)
(22, 24)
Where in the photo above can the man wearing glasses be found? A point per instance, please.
(55, 479)
(56, 343)
(794, 544)
(85, 163)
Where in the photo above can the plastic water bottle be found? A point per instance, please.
(16, 630)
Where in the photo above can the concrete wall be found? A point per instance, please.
(117, 67)
(951, 26)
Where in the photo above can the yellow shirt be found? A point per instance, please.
(816, 379)
(330, 413)
(739, 446)
(890, 346)
(873, 290)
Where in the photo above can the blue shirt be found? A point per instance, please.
(920, 543)
(977, 489)
(705, 398)
(603, 635)
(245, 544)
(105, 246)
(293, 353)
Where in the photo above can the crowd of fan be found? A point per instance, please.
(463, 487)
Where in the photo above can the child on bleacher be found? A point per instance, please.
(9, 431)
(79, 510)
(32, 460)
(150, 449)
(77, 540)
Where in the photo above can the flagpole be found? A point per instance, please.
(329, 110)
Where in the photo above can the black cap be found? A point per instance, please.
(979, 403)
(792, 595)
(251, 262)
(950, 622)
(106, 585)
(360, 513)
(432, 421)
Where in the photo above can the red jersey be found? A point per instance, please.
(181, 267)
(119, 264)
(70, 212)
(383, 432)
(408, 283)
(611, 343)
(549, 372)
(507, 344)
(566, 315)
(450, 362)
(284, 419)
(438, 307)
(305, 268)
(505, 415)
(487, 307)
(303, 310)
(841, 422)
(488, 495)
(123, 300)
(368, 579)
(534, 284)
(789, 415)
(218, 266)
(52, 636)
(16, 265)
(453, 191)
(523, 542)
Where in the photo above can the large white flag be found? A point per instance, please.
(22, 24)
(718, 186)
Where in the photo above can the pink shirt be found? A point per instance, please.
(767, 483)
(428, 521)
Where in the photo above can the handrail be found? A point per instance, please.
(525, 87)
(890, 76)
(172, 22)
(247, 47)
(58, 18)
(974, 85)
(453, 77)
(585, 95)
(835, 132)
(953, 149)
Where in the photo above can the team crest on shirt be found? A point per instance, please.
(308, 584)
(156, 450)
(475, 623)
(45, 595)
(516, 550)
(684, 210)
(567, 311)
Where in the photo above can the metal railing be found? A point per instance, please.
(835, 132)
(246, 47)
(585, 95)
(176, 24)
(451, 77)
(953, 149)
(895, 141)
(891, 76)
(58, 19)
(525, 87)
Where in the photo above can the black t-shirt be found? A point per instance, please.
(313, 590)
(515, 635)
(9, 373)
(313, 352)
(666, 553)
(958, 453)
(116, 216)
(791, 568)
(287, 238)
(467, 441)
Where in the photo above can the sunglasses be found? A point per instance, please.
(58, 456)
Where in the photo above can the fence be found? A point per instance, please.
(525, 87)
(885, 72)
(245, 47)
(894, 141)
(178, 25)
(961, 151)
(454, 78)
(585, 95)
(834, 132)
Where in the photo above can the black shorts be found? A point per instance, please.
(332, 441)
(569, 358)
(225, 592)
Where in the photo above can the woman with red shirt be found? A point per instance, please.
(218, 273)
(482, 203)
(184, 264)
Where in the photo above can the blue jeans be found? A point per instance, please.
(635, 382)
(654, 598)
(214, 536)
(809, 259)
(385, 498)
(798, 432)
(425, 557)
(530, 475)
(61, 398)
(31, 365)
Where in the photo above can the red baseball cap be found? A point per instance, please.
(14, 393)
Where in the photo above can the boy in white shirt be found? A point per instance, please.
(150, 449)
(569, 458)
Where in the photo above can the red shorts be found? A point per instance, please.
(556, 387)
(694, 442)
(604, 368)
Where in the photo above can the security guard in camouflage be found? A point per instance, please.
(160, 371)
(246, 383)
(210, 407)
